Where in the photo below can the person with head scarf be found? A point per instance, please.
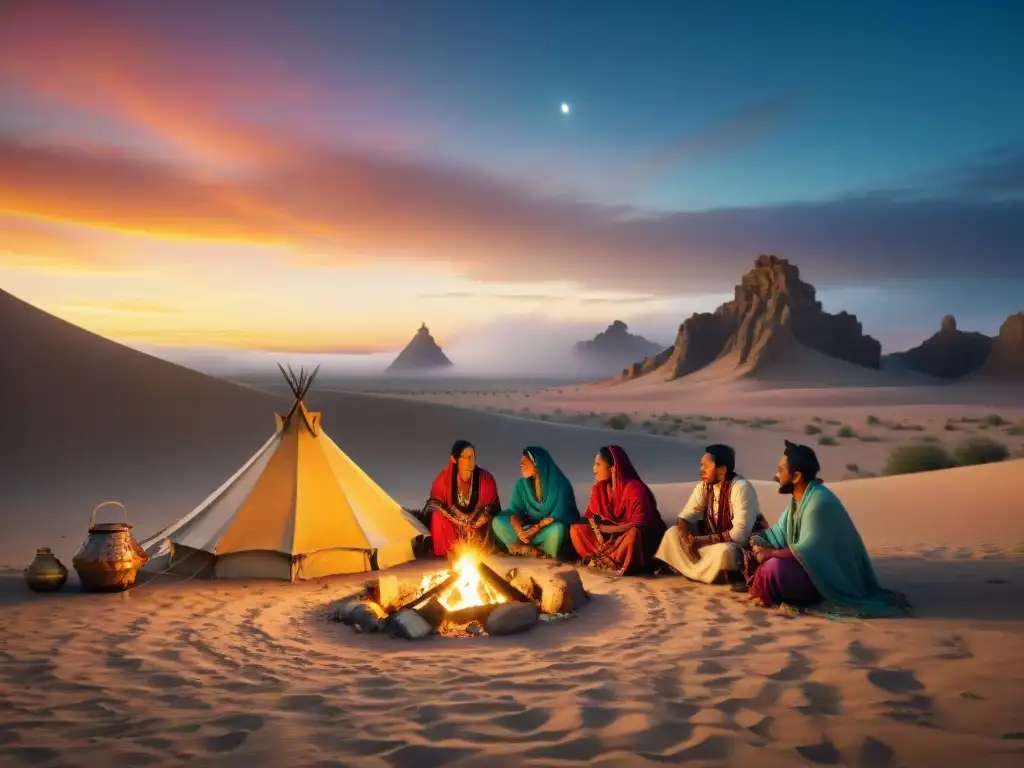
(622, 526)
(715, 525)
(540, 510)
(463, 501)
(814, 553)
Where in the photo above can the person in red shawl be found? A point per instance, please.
(622, 527)
(463, 500)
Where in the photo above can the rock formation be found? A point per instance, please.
(1005, 360)
(420, 354)
(949, 353)
(614, 347)
(772, 310)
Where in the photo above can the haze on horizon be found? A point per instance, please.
(311, 179)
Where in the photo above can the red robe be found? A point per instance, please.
(630, 503)
(443, 505)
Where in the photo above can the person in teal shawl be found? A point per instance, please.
(540, 510)
(814, 553)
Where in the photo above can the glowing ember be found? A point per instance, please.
(469, 589)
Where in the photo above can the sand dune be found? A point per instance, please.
(786, 365)
(86, 420)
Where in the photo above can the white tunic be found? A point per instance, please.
(714, 558)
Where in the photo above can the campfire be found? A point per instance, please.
(465, 599)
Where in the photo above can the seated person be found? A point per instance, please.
(463, 501)
(622, 526)
(814, 552)
(541, 509)
(715, 525)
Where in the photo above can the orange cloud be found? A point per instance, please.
(184, 96)
(261, 341)
(337, 204)
(120, 308)
(36, 246)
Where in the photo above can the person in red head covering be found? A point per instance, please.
(622, 526)
(463, 500)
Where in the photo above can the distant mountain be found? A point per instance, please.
(949, 353)
(772, 318)
(1005, 361)
(420, 354)
(614, 347)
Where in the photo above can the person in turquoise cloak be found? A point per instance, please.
(814, 553)
(540, 510)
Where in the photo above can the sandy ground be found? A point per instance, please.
(653, 671)
(853, 429)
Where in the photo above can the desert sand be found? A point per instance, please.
(653, 671)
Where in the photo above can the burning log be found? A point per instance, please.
(467, 600)
(500, 585)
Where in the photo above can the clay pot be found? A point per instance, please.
(46, 573)
(110, 558)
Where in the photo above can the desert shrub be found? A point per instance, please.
(845, 431)
(870, 439)
(873, 421)
(827, 440)
(922, 457)
(545, 417)
(906, 427)
(1018, 430)
(995, 420)
(647, 426)
(619, 421)
(852, 468)
(811, 429)
(979, 450)
(950, 427)
(816, 418)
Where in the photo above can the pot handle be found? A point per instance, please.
(92, 520)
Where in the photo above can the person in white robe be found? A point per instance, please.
(715, 525)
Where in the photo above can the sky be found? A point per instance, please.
(321, 177)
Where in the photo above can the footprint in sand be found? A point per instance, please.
(416, 755)
(822, 698)
(824, 753)
(524, 722)
(227, 742)
(301, 702)
(862, 655)
(895, 680)
(799, 667)
(662, 737)
(875, 754)
(710, 668)
(597, 717)
(955, 648)
(716, 747)
(239, 722)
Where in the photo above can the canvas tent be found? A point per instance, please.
(298, 509)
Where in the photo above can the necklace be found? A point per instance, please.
(463, 497)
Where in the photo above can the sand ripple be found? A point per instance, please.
(653, 672)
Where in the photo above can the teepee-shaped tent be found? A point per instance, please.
(298, 509)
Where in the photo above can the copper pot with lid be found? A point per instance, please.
(110, 558)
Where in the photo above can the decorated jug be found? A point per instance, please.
(110, 558)
(46, 573)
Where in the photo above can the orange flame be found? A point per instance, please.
(469, 589)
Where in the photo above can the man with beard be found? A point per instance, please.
(814, 552)
(707, 543)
